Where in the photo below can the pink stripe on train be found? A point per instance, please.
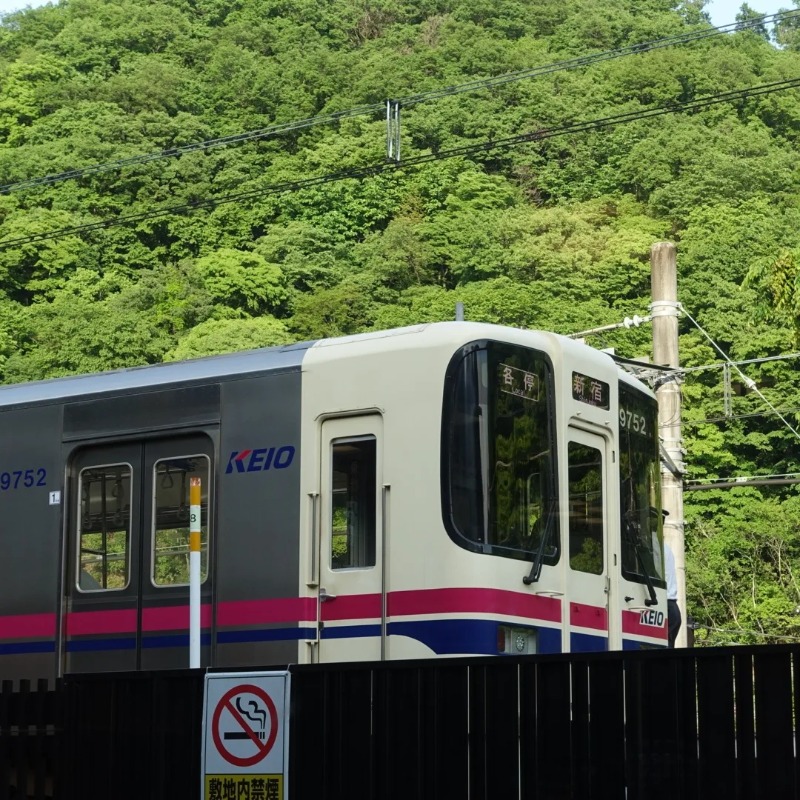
(28, 626)
(475, 601)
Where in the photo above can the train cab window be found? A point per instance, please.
(104, 534)
(353, 507)
(498, 452)
(171, 478)
(586, 540)
(640, 488)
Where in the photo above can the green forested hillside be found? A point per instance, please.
(552, 233)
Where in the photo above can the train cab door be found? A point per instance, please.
(351, 608)
(126, 587)
(592, 591)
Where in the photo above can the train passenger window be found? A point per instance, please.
(498, 452)
(586, 539)
(171, 477)
(353, 507)
(104, 533)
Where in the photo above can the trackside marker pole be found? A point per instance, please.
(195, 495)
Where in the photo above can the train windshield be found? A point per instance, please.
(640, 488)
(497, 452)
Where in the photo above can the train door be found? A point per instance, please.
(591, 587)
(127, 554)
(352, 591)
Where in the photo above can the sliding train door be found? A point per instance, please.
(351, 561)
(126, 572)
(592, 586)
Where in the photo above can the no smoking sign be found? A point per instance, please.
(245, 725)
(245, 733)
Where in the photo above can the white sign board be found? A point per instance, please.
(246, 736)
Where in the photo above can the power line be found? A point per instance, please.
(745, 478)
(723, 364)
(695, 625)
(372, 108)
(749, 382)
(388, 167)
(582, 61)
(726, 417)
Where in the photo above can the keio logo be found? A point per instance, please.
(261, 459)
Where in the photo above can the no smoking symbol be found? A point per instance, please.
(247, 715)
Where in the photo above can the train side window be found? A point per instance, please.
(104, 532)
(353, 507)
(170, 540)
(585, 509)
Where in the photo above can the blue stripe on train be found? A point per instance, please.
(443, 637)
(265, 635)
(458, 636)
(587, 643)
(18, 648)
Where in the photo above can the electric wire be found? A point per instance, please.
(391, 166)
(749, 382)
(744, 478)
(694, 422)
(372, 108)
(695, 625)
(582, 61)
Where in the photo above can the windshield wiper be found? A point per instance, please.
(634, 540)
(536, 567)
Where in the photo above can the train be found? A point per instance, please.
(444, 489)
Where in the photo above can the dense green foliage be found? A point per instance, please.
(552, 234)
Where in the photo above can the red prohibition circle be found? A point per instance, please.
(262, 747)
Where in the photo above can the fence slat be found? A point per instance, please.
(606, 767)
(774, 734)
(716, 726)
(499, 745)
(745, 725)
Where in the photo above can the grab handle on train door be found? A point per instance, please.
(324, 597)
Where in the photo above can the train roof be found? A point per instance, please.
(151, 376)
(250, 362)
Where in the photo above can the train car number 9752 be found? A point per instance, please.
(23, 479)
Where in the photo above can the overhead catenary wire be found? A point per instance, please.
(387, 167)
(373, 108)
(726, 417)
(749, 382)
(695, 625)
(743, 479)
(721, 364)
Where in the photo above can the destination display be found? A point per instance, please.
(591, 391)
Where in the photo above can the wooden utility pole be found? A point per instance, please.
(664, 315)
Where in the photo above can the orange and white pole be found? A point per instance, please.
(195, 497)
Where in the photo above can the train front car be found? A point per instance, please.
(453, 488)
(467, 499)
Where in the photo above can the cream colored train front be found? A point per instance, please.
(472, 489)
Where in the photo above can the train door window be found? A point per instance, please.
(586, 540)
(104, 533)
(170, 539)
(353, 476)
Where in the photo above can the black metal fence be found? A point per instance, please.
(700, 723)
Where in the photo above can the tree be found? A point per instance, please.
(216, 336)
(778, 284)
